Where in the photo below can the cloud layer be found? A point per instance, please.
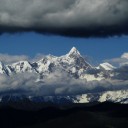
(6, 58)
(120, 61)
(60, 82)
(77, 18)
(56, 83)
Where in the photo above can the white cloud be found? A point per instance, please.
(125, 56)
(6, 58)
(23, 82)
(122, 60)
(58, 83)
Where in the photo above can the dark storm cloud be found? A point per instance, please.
(77, 18)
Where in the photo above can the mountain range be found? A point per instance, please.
(76, 67)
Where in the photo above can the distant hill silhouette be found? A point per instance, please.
(103, 115)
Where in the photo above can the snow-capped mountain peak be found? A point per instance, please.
(106, 66)
(74, 58)
(21, 66)
(73, 63)
(73, 52)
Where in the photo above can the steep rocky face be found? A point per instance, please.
(75, 58)
(4, 69)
